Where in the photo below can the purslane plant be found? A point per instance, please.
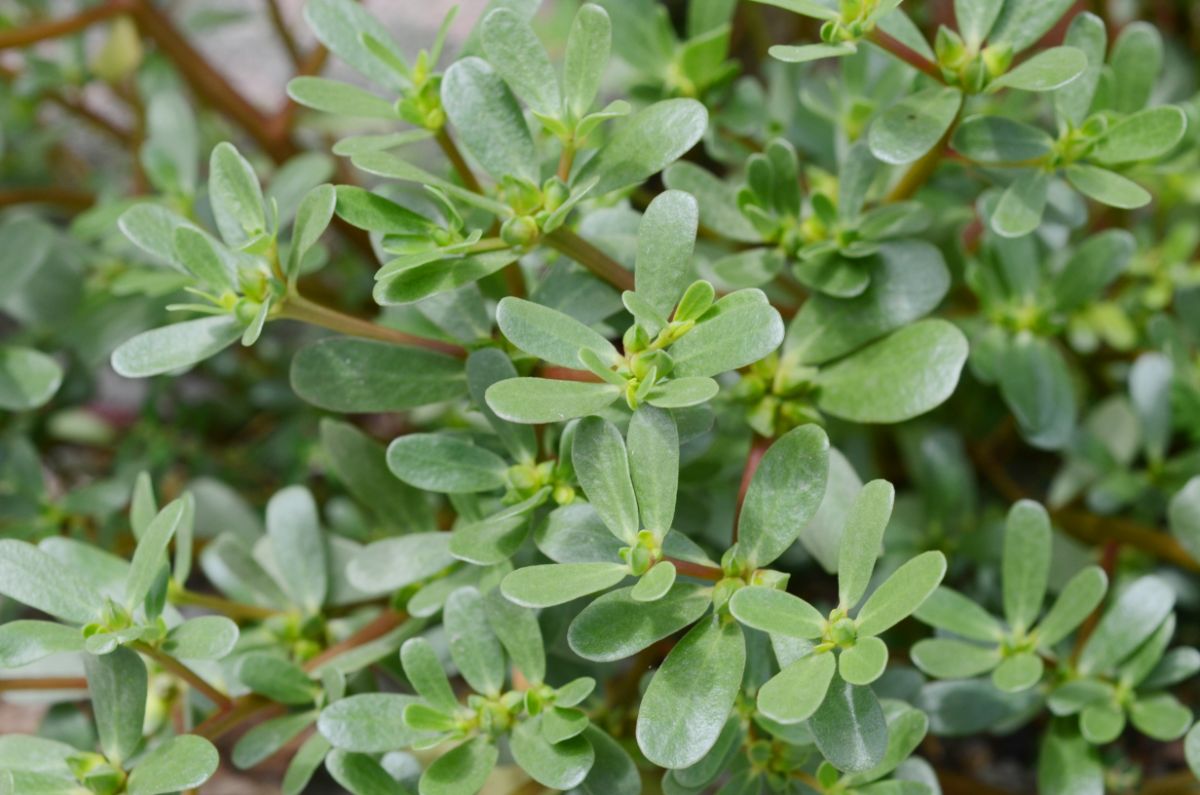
(687, 351)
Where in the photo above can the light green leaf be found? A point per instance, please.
(175, 347)
(342, 25)
(1094, 265)
(1076, 601)
(586, 56)
(361, 775)
(338, 98)
(1102, 722)
(514, 51)
(179, 763)
(488, 120)
(151, 553)
(613, 771)
(653, 449)
(1022, 204)
(691, 695)
(602, 466)
(209, 261)
(202, 638)
(863, 663)
(1019, 672)
(776, 612)
(655, 583)
(914, 125)
(555, 583)
(976, 17)
(901, 593)
(360, 464)
(235, 196)
(862, 540)
(1160, 717)
(1048, 70)
(473, 646)
(549, 334)
(1137, 61)
(445, 463)
(808, 8)
(949, 610)
(1087, 34)
(117, 683)
(1145, 135)
(1132, 618)
(152, 228)
(803, 53)
(849, 727)
(646, 143)
(462, 770)
(298, 547)
(904, 375)
(559, 766)
(1183, 516)
(518, 630)
(366, 210)
(439, 276)
(357, 375)
(394, 563)
(1191, 750)
(28, 378)
(666, 238)
(265, 739)
(425, 674)
(312, 219)
(1107, 187)
(954, 659)
(783, 495)
(276, 678)
(1022, 22)
(1035, 384)
(484, 368)
(796, 692)
(1067, 763)
(369, 723)
(1026, 566)
(740, 329)
(616, 626)
(542, 400)
(717, 201)
(26, 641)
(999, 139)
(680, 393)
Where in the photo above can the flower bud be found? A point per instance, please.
(997, 58)
(520, 230)
(554, 193)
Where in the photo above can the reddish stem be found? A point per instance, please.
(758, 448)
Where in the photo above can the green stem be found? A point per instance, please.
(572, 245)
(920, 172)
(183, 672)
(234, 610)
(297, 307)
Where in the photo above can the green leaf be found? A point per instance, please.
(976, 17)
(665, 241)
(616, 626)
(904, 375)
(1035, 384)
(683, 392)
(949, 610)
(549, 334)
(1137, 61)
(1019, 672)
(312, 219)
(1191, 749)
(276, 678)
(304, 764)
(361, 775)
(1107, 187)
(908, 279)
(849, 727)
(1150, 381)
(177, 764)
(1022, 22)
(1132, 618)
(1086, 33)
(342, 26)
(445, 463)
(369, 723)
(646, 143)
(776, 612)
(519, 633)
(558, 766)
(355, 375)
(586, 56)
(488, 120)
(338, 98)
(1094, 265)
(202, 638)
(1067, 763)
(515, 53)
(901, 593)
(954, 659)
(863, 663)
(691, 695)
(490, 366)
(366, 210)
(462, 770)
(28, 378)
(1078, 598)
(1048, 70)
(740, 329)
(360, 464)
(429, 278)
(783, 495)
(394, 563)
(1160, 717)
(862, 540)
(542, 400)
(803, 53)
(602, 466)
(1022, 204)
(808, 8)
(914, 125)
(235, 196)
(151, 553)
(555, 583)
(209, 261)
(265, 739)
(34, 578)
(1183, 516)
(175, 347)
(473, 646)
(26, 641)
(36, 754)
(655, 583)
(1026, 566)
(999, 139)
(653, 450)
(613, 770)
(717, 201)
(386, 164)
(795, 693)
(425, 674)
(1145, 135)
(298, 547)
(117, 683)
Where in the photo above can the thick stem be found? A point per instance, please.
(44, 683)
(697, 570)
(920, 172)
(572, 245)
(284, 35)
(377, 628)
(905, 53)
(296, 307)
(31, 34)
(234, 610)
(183, 672)
(62, 197)
(458, 161)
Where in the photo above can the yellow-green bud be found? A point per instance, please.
(520, 230)
(554, 193)
(564, 494)
(997, 58)
(635, 339)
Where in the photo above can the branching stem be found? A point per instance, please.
(297, 307)
(183, 672)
